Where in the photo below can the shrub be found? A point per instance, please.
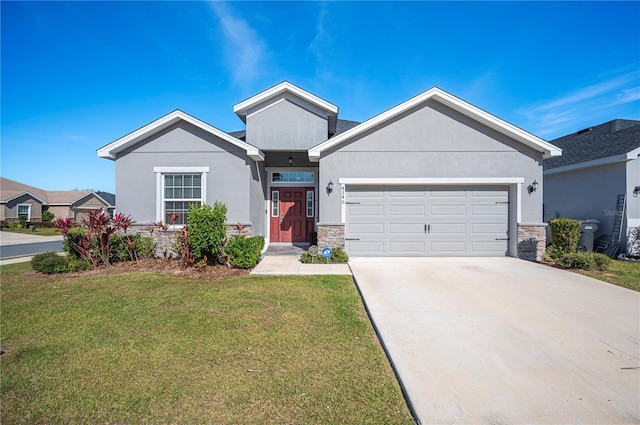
(13, 225)
(565, 234)
(602, 261)
(243, 252)
(207, 230)
(50, 263)
(130, 247)
(47, 216)
(22, 222)
(76, 242)
(337, 256)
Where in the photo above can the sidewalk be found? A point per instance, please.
(291, 265)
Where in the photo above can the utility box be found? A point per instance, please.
(588, 230)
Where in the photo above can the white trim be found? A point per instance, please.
(595, 163)
(431, 181)
(37, 198)
(180, 170)
(28, 210)
(546, 149)
(241, 108)
(109, 151)
(161, 171)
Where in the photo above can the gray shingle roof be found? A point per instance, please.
(606, 140)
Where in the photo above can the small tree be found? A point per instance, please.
(207, 230)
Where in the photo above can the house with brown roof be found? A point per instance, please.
(18, 199)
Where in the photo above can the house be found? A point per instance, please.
(18, 199)
(598, 164)
(432, 176)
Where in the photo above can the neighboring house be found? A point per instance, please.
(431, 176)
(18, 199)
(598, 164)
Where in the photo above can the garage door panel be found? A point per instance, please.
(366, 228)
(448, 247)
(490, 228)
(366, 210)
(407, 210)
(374, 248)
(412, 229)
(489, 247)
(421, 221)
(407, 247)
(448, 210)
(495, 209)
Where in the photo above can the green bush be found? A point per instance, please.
(602, 261)
(119, 250)
(47, 216)
(207, 228)
(337, 256)
(74, 240)
(243, 252)
(565, 234)
(13, 225)
(50, 263)
(584, 261)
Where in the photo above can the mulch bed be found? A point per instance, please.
(168, 267)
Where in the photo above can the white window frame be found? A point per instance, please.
(160, 200)
(275, 205)
(28, 211)
(312, 206)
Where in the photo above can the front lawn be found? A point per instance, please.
(153, 348)
(40, 231)
(621, 273)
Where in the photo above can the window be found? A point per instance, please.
(292, 177)
(24, 211)
(179, 192)
(275, 203)
(309, 203)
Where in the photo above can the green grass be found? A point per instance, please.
(150, 348)
(621, 273)
(40, 231)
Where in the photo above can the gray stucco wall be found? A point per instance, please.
(589, 193)
(284, 125)
(633, 202)
(183, 145)
(258, 190)
(431, 141)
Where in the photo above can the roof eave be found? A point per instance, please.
(547, 150)
(109, 151)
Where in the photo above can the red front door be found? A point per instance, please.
(289, 208)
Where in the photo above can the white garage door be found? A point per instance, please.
(427, 221)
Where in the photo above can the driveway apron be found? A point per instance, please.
(505, 341)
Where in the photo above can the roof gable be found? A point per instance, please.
(546, 149)
(282, 90)
(613, 141)
(11, 189)
(109, 151)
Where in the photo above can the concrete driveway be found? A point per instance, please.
(505, 341)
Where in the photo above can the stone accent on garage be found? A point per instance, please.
(331, 235)
(532, 241)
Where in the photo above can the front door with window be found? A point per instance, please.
(292, 212)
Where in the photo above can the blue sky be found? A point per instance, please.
(78, 75)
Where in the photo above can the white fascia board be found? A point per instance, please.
(109, 151)
(241, 108)
(589, 164)
(546, 149)
(634, 153)
(42, 201)
(423, 181)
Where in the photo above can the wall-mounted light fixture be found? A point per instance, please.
(636, 191)
(290, 160)
(533, 187)
(329, 187)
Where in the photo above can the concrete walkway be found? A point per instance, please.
(505, 341)
(291, 265)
